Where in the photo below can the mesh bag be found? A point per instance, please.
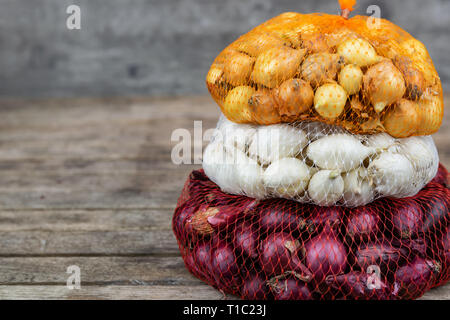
(283, 249)
(364, 74)
(312, 162)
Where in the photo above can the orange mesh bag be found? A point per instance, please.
(364, 74)
(282, 249)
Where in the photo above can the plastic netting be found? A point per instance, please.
(364, 74)
(312, 162)
(282, 249)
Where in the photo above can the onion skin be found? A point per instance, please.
(362, 223)
(236, 107)
(202, 260)
(291, 289)
(415, 278)
(380, 253)
(179, 224)
(263, 108)
(294, 97)
(325, 255)
(276, 251)
(246, 239)
(434, 200)
(403, 119)
(227, 215)
(322, 216)
(277, 217)
(354, 285)
(238, 68)
(441, 176)
(407, 218)
(414, 80)
(224, 265)
(255, 288)
(321, 67)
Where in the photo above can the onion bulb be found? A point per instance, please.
(358, 52)
(276, 141)
(358, 190)
(391, 174)
(350, 78)
(431, 112)
(238, 68)
(287, 177)
(383, 84)
(233, 134)
(263, 107)
(326, 187)
(330, 100)
(342, 152)
(403, 119)
(236, 107)
(380, 141)
(415, 81)
(294, 97)
(275, 65)
(319, 68)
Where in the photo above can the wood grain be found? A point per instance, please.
(90, 182)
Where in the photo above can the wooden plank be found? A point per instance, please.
(158, 292)
(147, 270)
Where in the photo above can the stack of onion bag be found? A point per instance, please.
(322, 180)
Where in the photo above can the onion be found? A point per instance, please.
(246, 239)
(402, 120)
(329, 100)
(407, 217)
(238, 68)
(355, 285)
(181, 216)
(325, 254)
(319, 68)
(294, 97)
(226, 215)
(415, 278)
(280, 215)
(290, 288)
(236, 107)
(255, 288)
(224, 265)
(276, 251)
(434, 201)
(441, 176)
(322, 216)
(202, 260)
(380, 253)
(263, 107)
(362, 223)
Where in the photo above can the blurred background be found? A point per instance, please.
(160, 47)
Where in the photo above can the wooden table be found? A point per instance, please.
(91, 183)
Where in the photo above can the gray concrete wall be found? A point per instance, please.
(160, 47)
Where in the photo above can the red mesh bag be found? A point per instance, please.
(282, 249)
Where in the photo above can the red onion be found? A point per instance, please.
(441, 176)
(181, 216)
(202, 259)
(415, 278)
(362, 223)
(407, 217)
(411, 247)
(434, 199)
(246, 239)
(228, 214)
(224, 265)
(255, 288)
(290, 288)
(380, 253)
(358, 286)
(321, 216)
(275, 215)
(276, 251)
(325, 254)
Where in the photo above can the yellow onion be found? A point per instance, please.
(431, 112)
(403, 119)
(264, 108)
(350, 78)
(276, 65)
(238, 68)
(315, 43)
(415, 82)
(383, 84)
(236, 107)
(330, 100)
(255, 43)
(414, 48)
(319, 68)
(358, 52)
(294, 97)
